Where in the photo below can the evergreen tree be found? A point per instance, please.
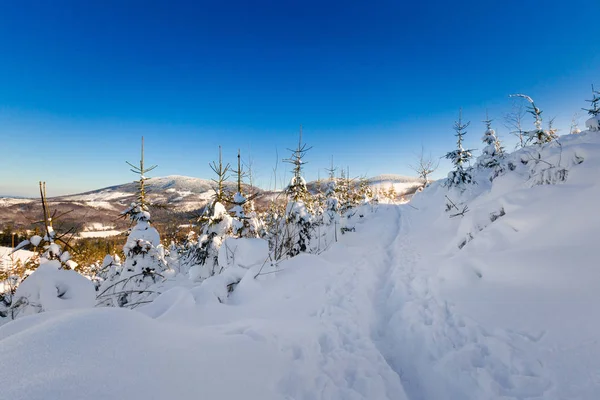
(298, 219)
(459, 157)
(245, 220)
(216, 224)
(144, 254)
(345, 193)
(537, 136)
(493, 150)
(50, 272)
(331, 214)
(593, 124)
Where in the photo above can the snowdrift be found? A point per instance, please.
(484, 293)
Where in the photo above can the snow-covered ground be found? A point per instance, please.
(401, 184)
(7, 256)
(497, 304)
(99, 234)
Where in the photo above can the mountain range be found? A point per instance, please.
(184, 196)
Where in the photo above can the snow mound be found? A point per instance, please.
(112, 353)
(243, 252)
(49, 288)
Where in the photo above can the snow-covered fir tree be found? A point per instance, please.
(574, 130)
(331, 214)
(144, 254)
(216, 225)
(537, 136)
(245, 220)
(297, 230)
(593, 123)
(50, 283)
(492, 152)
(459, 157)
(318, 202)
(345, 195)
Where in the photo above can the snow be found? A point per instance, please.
(243, 252)
(498, 303)
(7, 256)
(593, 124)
(401, 184)
(35, 240)
(97, 226)
(49, 288)
(10, 201)
(99, 234)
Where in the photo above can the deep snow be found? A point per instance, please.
(413, 305)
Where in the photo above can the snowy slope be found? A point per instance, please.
(401, 184)
(352, 324)
(497, 304)
(7, 256)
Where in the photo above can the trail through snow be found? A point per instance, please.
(387, 335)
(438, 353)
(361, 321)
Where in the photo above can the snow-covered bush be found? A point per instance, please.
(593, 123)
(203, 256)
(298, 229)
(51, 288)
(129, 285)
(243, 252)
(245, 220)
(493, 151)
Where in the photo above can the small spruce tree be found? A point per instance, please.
(216, 225)
(459, 157)
(298, 218)
(537, 136)
(129, 285)
(593, 124)
(245, 220)
(493, 150)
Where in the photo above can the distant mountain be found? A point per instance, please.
(404, 185)
(181, 193)
(184, 196)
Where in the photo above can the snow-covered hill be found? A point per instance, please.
(489, 292)
(183, 194)
(402, 184)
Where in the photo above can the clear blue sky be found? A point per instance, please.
(370, 81)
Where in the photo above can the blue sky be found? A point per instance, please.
(81, 82)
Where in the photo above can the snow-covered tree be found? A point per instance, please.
(459, 157)
(492, 151)
(537, 136)
(144, 254)
(297, 231)
(331, 215)
(425, 166)
(575, 125)
(514, 122)
(593, 124)
(245, 220)
(50, 283)
(202, 257)
(332, 204)
(345, 192)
